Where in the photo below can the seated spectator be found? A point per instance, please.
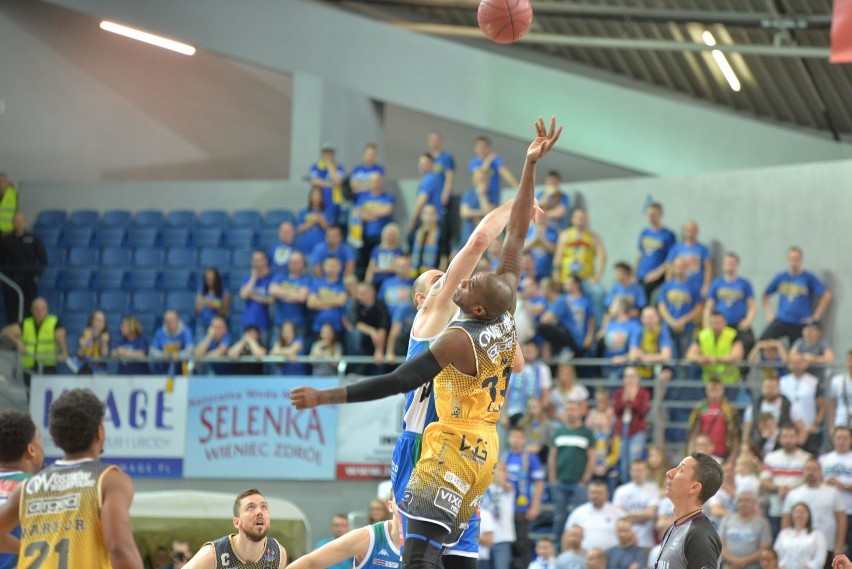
(474, 206)
(179, 555)
(652, 345)
(554, 202)
(326, 346)
(339, 528)
(715, 418)
(627, 554)
(377, 511)
(697, 261)
(538, 429)
(773, 354)
(289, 345)
(769, 559)
(489, 163)
(770, 401)
(366, 324)
(665, 519)
(704, 444)
(573, 556)
(429, 193)
(580, 252)
(526, 475)
(396, 289)
(533, 382)
(607, 443)
(782, 471)
(639, 499)
(211, 300)
(332, 247)
(840, 397)
(255, 295)
(383, 258)
(631, 404)
(723, 503)
(627, 289)
(733, 297)
(837, 470)
(290, 290)
(279, 253)
(679, 305)
(603, 413)
(569, 468)
(582, 315)
(327, 297)
(541, 243)
(532, 301)
(598, 518)
(744, 534)
(328, 175)
(747, 473)
(658, 466)
(596, 558)
(93, 344)
(172, 342)
(616, 338)
(527, 269)
(402, 320)
(816, 352)
(499, 500)
(655, 242)
(214, 344)
(808, 402)
(248, 346)
(557, 323)
(375, 210)
(567, 389)
(770, 433)
(801, 546)
(131, 346)
(718, 351)
(798, 290)
(312, 222)
(427, 249)
(545, 557)
(40, 340)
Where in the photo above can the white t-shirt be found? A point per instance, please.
(839, 466)
(843, 397)
(824, 502)
(598, 525)
(765, 407)
(504, 514)
(802, 393)
(631, 497)
(784, 470)
(800, 550)
(486, 525)
(578, 393)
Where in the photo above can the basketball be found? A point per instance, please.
(504, 21)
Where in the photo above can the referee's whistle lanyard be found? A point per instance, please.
(680, 521)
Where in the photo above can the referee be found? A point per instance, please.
(691, 542)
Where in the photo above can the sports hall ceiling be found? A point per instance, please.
(778, 49)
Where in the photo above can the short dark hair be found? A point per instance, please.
(717, 313)
(788, 425)
(843, 428)
(517, 428)
(17, 431)
(74, 420)
(554, 174)
(483, 138)
(655, 205)
(622, 266)
(708, 473)
(241, 496)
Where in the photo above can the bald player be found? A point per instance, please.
(470, 362)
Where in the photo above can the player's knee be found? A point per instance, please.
(458, 562)
(420, 553)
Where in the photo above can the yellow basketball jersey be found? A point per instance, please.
(61, 518)
(480, 397)
(578, 255)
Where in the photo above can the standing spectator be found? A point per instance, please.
(383, 258)
(628, 553)
(375, 210)
(131, 346)
(782, 471)
(499, 500)
(427, 250)
(255, 295)
(366, 325)
(554, 202)
(8, 206)
(326, 346)
(402, 321)
(211, 300)
(533, 382)
(616, 337)
(679, 305)
(569, 466)
(580, 252)
(312, 222)
(172, 342)
(490, 164)
(526, 475)
(214, 344)
(733, 297)
(596, 559)
(396, 289)
(94, 343)
(327, 297)
(625, 288)
(541, 244)
(816, 352)
(652, 345)
(797, 290)
(655, 242)
(545, 555)
(40, 340)
(339, 527)
(362, 178)
(279, 253)
(328, 175)
(290, 346)
(474, 206)
(333, 246)
(573, 556)
(801, 546)
(428, 192)
(696, 256)
(837, 470)
(828, 510)
(558, 325)
(805, 393)
(840, 397)
(290, 290)
(744, 534)
(23, 260)
(443, 164)
(567, 389)
(716, 418)
(598, 519)
(631, 404)
(248, 346)
(770, 401)
(639, 498)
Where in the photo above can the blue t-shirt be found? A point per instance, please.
(695, 255)
(295, 368)
(523, 476)
(731, 297)
(131, 367)
(384, 259)
(471, 199)
(443, 162)
(537, 302)
(633, 293)
(679, 298)
(493, 177)
(374, 227)
(573, 313)
(395, 291)
(322, 252)
(543, 258)
(295, 312)
(432, 185)
(309, 239)
(556, 200)
(363, 173)
(207, 313)
(220, 368)
(333, 316)
(256, 313)
(333, 200)
(797, 293)
(654, 247)
(617, 337)
(279, 256)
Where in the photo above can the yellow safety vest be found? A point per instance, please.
(42, 345)
(718, 347)
(578, 255)
(8, 208)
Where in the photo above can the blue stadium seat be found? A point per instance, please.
(150, 322)
(180, 218)
(116, 257)
(80, 300)
(233, 282)
(142, 236)
(142, 279)
(267, 237)
(109, 279)
(241, 260)
(51, 235)
(215, 257)
(274, 217)
(82, 257)
(55, 300)
(114, 326)
(48, 279)
(55, 256)
(175, 236)
(207, 236)
(176, 280)
(239, 237)
(79, 236)
(235, 326)
(77, 279)
(148, 218)
(246, 218)
(84, 217)
(74, 323)
(114, 301)
(181, 257)
(213, 218)
(110, 235)
(147, 301)
(181, 301)
(116, 218)
(148, 257)
(51, 218)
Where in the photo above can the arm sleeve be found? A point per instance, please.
(702, 549)
(410, 375)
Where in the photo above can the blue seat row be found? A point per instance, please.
(156, 218)
(119, 236)
(124, 302)
(177, 257)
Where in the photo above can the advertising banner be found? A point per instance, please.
(245, 428)
(144, 419)
(366, 436)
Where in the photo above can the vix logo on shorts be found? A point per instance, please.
(448, 500)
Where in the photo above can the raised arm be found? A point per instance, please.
(355, 543)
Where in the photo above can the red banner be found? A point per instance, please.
(841, 32)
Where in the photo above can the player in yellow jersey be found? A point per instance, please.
(470, 362)
(75, 513)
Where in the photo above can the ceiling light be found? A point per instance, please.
(722, 62)
(147, 38)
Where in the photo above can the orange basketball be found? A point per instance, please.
(504, 21)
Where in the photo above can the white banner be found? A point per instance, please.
(366, 436)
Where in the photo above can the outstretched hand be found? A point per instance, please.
(304, 398)
(544, 139)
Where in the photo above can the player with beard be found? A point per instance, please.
(250, 547)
